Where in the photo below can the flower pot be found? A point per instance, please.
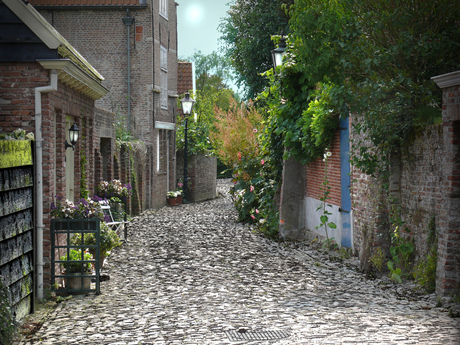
(172, 201)
(74, 283)
(179, 200)
(92, 251)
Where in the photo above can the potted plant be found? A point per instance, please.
(108, 240)
(178, 197)
(75, 265)
(172, 198)
(179, 192)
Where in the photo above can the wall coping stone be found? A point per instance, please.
(447, 80)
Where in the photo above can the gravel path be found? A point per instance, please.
(191, 274)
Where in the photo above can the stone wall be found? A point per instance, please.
(202, 176)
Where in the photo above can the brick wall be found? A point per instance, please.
(315, 174)
(202, 176)
(101, 37)
(17, 110)
(448, 269)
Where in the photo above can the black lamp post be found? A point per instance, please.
(187, 106)
(73, 137)
(278, 53)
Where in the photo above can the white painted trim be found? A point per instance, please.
(75, 77)
(165, 125)
(447, 80)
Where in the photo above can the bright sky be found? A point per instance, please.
(197, 22)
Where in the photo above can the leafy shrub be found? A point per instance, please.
(109, 239)
(75, 265)
(425, 271)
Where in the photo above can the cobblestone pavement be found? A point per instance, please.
(191, 274)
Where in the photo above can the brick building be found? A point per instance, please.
(133, 43)
(46, 86)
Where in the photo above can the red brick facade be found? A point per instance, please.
(100, 35)
(315, 175)
(17, 110)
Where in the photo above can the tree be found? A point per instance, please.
(246, 33)
(376, 58)
(212, 69)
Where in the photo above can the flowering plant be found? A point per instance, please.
(85, 208)
(172, 194)
(179, 190)
(112, 189)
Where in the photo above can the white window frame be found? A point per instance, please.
(163, 77)
(164, 8)
(158, 151)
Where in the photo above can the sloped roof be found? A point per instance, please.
(89, 76)
(85, 2)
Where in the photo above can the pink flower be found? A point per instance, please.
(252, 216)
(255, 130)
(257, 211)
(251, 189)
(239, 156)
(262, 162)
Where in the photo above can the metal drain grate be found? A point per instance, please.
(243, 334)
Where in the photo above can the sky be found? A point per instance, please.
(197, 22)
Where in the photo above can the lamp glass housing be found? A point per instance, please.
(187, 104)
(73, 134)
(278, 53)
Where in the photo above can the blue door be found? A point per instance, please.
(345, 208)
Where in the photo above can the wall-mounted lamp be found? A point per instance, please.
(278, 53)
(73, 137)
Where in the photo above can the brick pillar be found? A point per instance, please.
(448, 268)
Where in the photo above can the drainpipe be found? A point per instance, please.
(128, 21)
(39, 173)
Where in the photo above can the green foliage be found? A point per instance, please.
(84, 192)
(75, 264)
(108, 239)
(325, 189)
(254, 194)
(401, 248)
(212, 71)
(425, 270)
(7, 324)
(246, 39)
(378, 259)
(380, 56)
(121, 132)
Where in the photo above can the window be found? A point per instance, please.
(164, 77)
(164, 8)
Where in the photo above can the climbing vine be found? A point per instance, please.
(84, 192)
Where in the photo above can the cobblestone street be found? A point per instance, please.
(191, 274)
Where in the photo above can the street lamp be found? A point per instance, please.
(187, 106)
(278, 53)
(73, 137)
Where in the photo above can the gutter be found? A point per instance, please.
(39, 173)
